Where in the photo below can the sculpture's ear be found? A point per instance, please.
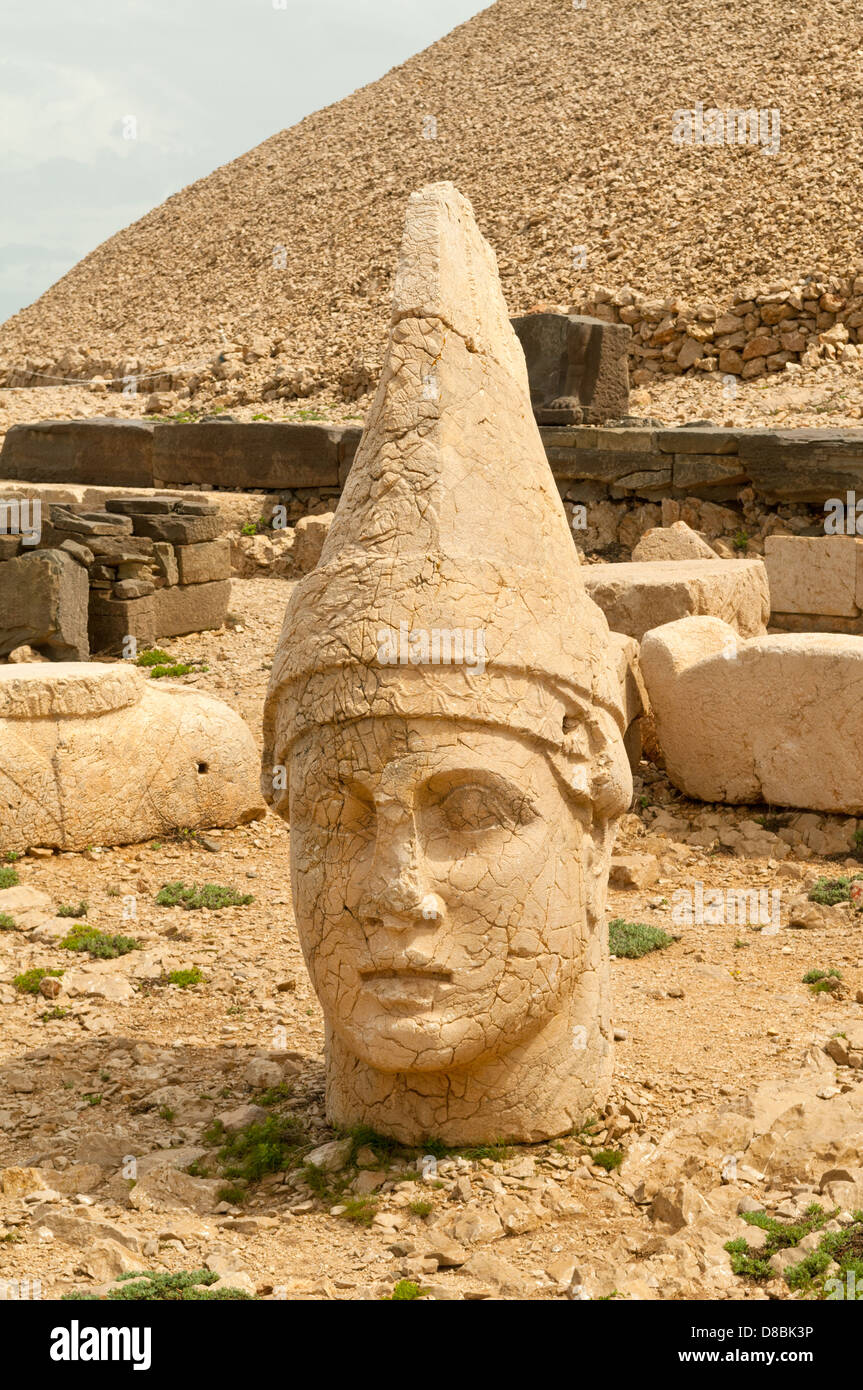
(594, 764)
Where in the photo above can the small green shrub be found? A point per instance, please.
(635, 939)
(7, 923)
(184, 978)
(609, 1159)
(72, 910)
(153, 656)
(267, 1146)
(30, 980)
(421, 1208)
(404, 1292)
(823, 981)
(9, 878)
(150, 1286)
(830, 891)
(211, 895)
(98, 943)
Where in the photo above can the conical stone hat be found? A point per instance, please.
(450, 523)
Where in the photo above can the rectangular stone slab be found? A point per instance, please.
(573, 358)
(200, 564)
(257, 455)
(803, 465)
(191, 608)
(638, 596)
(43, 604)
(815, 574)
(95, 451)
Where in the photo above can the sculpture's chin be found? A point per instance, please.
(424, 1042)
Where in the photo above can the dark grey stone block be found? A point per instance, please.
(578, 367)
(98, 452)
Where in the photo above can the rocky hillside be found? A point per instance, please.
(557, 122)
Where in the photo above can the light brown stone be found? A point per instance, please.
(815, 574)
(201, 564)
(310, 533)
(775, 719)
(94, 754)
(444, 729)
(675, 542)
(638, 596)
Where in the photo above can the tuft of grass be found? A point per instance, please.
(233, 1195)
(7, 923)
(152, 656)
(184, 978)
(9, 878)
(30, 980)
(823, 981)
(422, 1207)
(151, 1286)
(741, 540)
(51, 1014)
(830, 891)
(635, 939)
(404, 1292)
(360, 1210)
(609, 1159)
(211, 895)
(72, 910)
(12, 855)
(266, 1146)
(99, 944)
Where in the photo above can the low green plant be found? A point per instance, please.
(422, 1207)
(152, 656)
(99, 944)
(360, 1210)
(9, 878)
(266, 1146)
(741, 540)
(30, 980)
(72, 910)
(635, 939)
(823, 981)
(183, 979)
(7, 923)
(11, 856)
(151, 1286)
(609, 1159)
(56, 1012)
(830, 891)
(210, 895)
(405, 1291)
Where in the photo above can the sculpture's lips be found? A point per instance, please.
(408, 987)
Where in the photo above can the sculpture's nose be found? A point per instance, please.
(396, 892)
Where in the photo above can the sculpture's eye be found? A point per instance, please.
(478, 807)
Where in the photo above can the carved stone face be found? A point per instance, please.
(438, 888)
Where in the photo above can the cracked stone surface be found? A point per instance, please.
(443, 729)
(774, 719)
(93, 754)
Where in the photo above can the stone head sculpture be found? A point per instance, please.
(443, 732)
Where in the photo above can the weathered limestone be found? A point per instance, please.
(94, 754)
(43, 604)
(777, 718)
(310, 533)
(578, 367)
(80, 451)
(444, 729)
(636, 597)
(675, 542)
(815, 574)
(261, 455)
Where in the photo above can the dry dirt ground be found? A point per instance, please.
(141, 1067)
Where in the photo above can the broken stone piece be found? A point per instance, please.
(774, 719)
(675, 542)
(638, 596)
(93, 753)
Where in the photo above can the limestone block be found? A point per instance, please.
(675, 542)
(80, 451)
(446, 712)
(636, 597)
(190, 608)
(43, 604)
(95, 754)
(113, 619)
(201, 564)
(310, 533)
(774, 719)
(178, 530)
(275, 455)
(815, 574)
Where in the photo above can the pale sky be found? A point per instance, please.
(204, 80)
